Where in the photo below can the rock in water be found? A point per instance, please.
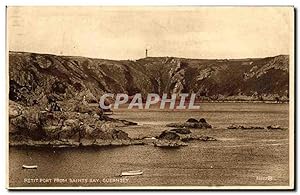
(191, 123)
(245, 127)
(169, 136)
(274, 127)
(192, 120)
(202, 120)
(15, 109)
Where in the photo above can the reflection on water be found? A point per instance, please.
(239, 157)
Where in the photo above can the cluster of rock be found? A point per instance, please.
(191, 123)
(178, 137)
(34, 126)
(234, 126)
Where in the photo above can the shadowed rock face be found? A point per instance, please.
(33, 77)
(177, 137)
(30, 123)
(169, 135)
(192, 120)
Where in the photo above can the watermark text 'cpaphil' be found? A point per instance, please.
(174, 101)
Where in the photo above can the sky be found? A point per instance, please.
(125, 32)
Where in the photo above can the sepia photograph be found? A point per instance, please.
(150, 97)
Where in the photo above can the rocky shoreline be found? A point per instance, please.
(103, 143)
(84, 127)
(31, 125)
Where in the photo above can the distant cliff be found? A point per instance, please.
(33, 77)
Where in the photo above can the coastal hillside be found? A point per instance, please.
(34, 77)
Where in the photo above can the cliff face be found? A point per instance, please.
(33, 77)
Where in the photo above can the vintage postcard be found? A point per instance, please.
(173, 97)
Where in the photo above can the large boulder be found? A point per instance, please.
(21, 126)
(24, 122)
(168, 135)
(16, 121)
(51, 118)
(192, 120)
(15, 109)
(70, 129)
(51, 123)
(17, 124)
